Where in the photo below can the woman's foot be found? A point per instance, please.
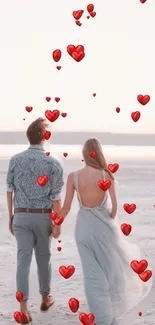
(27, 318)
(47, 302)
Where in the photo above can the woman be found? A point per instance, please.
(111, 286)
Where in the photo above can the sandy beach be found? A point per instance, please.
(135, 185)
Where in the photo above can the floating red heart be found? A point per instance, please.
(48, 99)
(93, 14)
(19, 296)
(86, 319)
(104, 185)
(90, 8)
(77, 53)
(142, 1)
(78, 23)
(59, 220)
(94, 94)
(92, 154)
(73, 304)
(82, 160)
(52, 115)
(56, 55)
(145, 276)
(117, 109)
(58, 67)
(88, 17)
(46, 134)
(47, 153)
(53, 215)
(113, 167)
(29, 108)
(59, 248)
(139, 267)
(135, 116)
(129, 208)
(77, 14)
(143, 99)
(63, 114)
(57, 99)
(66, 271)
(65, 154)
(59, 241)
(140, 313)
(42, 180)
(126, 229)
(19, 317)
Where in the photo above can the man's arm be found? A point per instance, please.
(10, 190)
(10, 205)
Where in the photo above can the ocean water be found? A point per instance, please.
(135, 184)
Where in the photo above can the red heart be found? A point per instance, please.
(42, 180)
(142, 1)
(145, 276)
(77, 14)
(56, 55)
(59, 220)
(48, 99)
(53, 215)
(117, 109)
(57, 99)
(90, 8)
(63, 114)
(73, 304)
(143, 99)
(46, 134)
(82, 160)
(92, 154)
(59, 248)
(88, 17)
(66, 271)
(93, 14)
(86, 319)
(129, 208)
(126, 229)
(29, 108)
(65, 154)
(104, 185)
(139, 267)
(59, 241)
(113, 167)
(47, 153)
(135, 116)
(19, 296)
(78, 23)
(52, 115)
(58, 67)
(77, 53)
(94, 94)
(19, 317)
(140, 313)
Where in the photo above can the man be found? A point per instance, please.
(30, 219)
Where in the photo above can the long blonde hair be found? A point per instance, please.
(98, 162)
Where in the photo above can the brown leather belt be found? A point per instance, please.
(30, 210)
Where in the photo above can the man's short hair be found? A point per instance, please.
(35, 130)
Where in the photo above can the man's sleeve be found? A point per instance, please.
(10, 176)
(57, 182)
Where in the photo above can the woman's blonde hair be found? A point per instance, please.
(98, 162)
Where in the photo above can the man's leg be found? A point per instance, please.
(25, 244)
(43, 254)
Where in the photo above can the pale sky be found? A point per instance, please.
(119, 64)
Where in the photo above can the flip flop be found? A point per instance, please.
(45, 306)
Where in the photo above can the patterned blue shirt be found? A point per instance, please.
(24, 169)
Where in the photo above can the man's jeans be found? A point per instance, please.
(33, 231)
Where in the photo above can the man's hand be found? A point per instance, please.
(56, 231)
(10, 228)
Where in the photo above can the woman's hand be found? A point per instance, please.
(56, 231)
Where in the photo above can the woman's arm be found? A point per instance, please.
(69, 196)
(112, 193)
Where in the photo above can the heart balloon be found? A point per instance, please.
(77, 14)
(104, 185)
(129, 208)
(19, 296)
(53, 215)
(92, 154)
(78, 23)
(113, 167)
(57, 99)
(117, 109)
(66, 271)
(90, 8)
(29, 108)
(56, 55)
(139, 267)
(46, 134)
(52, 115)
(59, 220)
(48, 99)
(126, 229)
(47, 153)
(58, 67)
(145, 276)
(93, 14)
(59, 248)
(73, 304)
(86, 319)
(42, 180)
(143, 100)
(135, 116)
(65, 154)
(19, 317)
(77, 53)
(63, 114)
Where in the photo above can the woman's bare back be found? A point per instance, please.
(90, 193)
